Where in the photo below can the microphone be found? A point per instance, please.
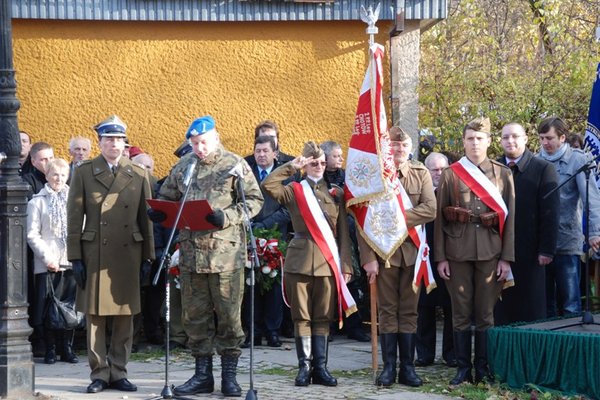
(187, 178)
(238, 170)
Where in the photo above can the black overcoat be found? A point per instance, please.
(536, 230)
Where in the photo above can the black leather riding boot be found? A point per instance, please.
(482, 370)
(387, 377)
(462, 349)
(407, 374)
(304, 353)
(320, 375)
(229, 385)
(201, 382)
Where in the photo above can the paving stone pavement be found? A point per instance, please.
(275, 369)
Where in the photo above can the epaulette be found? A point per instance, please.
(498, 163)
(416, 164)
(139, 167)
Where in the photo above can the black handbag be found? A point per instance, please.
(60, 310)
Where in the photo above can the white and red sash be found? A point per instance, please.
(325, 240)
(422, 271)
(482, 187)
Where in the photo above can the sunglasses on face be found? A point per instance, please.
(315, 164)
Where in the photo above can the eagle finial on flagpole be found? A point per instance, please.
(370, 17)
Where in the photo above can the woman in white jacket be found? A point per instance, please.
(47, 237)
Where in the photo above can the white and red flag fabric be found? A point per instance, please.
(372, 190)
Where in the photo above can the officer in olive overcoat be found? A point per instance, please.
(109, 236)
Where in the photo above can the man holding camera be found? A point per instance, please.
(474, 237)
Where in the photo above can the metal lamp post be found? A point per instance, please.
(16, 363)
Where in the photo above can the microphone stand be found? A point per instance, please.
(167, 392)
(252, 393)
(586, 316)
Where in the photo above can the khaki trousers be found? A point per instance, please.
(111, 365)
(312, 301)
(397, 300)
(474, 290)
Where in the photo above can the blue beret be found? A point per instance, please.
(200, 126)
(111, 127)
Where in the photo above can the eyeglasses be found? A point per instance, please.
(315, 164)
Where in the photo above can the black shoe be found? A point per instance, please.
(175, 345)
(359, 335)
(156, 339)
(69, 357)
(97, 386)
(257, 342)
(424, 363)
(50, 357)
(451, 363)
(123, 385)
(273, 340)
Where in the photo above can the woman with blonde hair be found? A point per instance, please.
(47, 237)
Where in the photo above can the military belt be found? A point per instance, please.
(475, 219)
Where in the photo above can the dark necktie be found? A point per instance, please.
(513, 166)
(113, 168)
(263, 175)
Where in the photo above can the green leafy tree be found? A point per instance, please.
(510, 60)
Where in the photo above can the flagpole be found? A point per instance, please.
(370, 17)
(373, 293)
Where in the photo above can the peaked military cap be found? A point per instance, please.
(111, 127)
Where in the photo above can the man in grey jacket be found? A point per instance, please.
(563, 273)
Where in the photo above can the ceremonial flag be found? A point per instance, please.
(372, 189)
(592, 132)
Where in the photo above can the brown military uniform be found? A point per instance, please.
(397, 300)
(109, 231)
(472, 249)
(309, 282)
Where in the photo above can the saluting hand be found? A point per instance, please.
(300, 161)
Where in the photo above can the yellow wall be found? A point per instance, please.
(158, 77)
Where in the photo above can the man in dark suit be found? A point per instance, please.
(268, 306)
(109, 237)
(536, 228)
(269, 128)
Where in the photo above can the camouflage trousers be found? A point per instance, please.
(204, 296)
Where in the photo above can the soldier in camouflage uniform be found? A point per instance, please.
(211, 262)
